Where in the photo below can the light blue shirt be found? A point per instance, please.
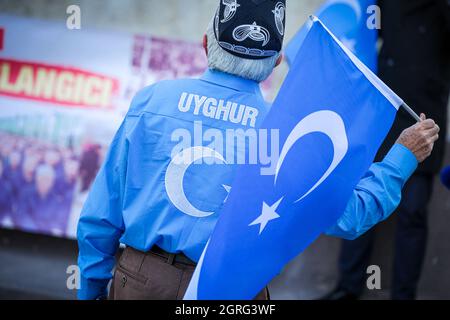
(129, 201)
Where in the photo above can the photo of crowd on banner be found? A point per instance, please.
(39, 182)
(44, 184)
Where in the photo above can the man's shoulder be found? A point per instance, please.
(171, 86)
(174, 83)
(160, 90)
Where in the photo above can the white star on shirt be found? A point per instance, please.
(268, 214)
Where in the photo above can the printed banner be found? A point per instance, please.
(63, 94)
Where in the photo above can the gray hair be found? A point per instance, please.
(221, 60)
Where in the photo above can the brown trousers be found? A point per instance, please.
(147, 276)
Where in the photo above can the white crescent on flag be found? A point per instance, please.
(328, 123)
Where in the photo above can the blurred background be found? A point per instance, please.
(56, 127)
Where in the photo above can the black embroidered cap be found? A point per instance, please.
(251, 29)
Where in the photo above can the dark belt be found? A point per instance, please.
(172, 258)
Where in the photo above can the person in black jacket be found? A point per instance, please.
(415, 62)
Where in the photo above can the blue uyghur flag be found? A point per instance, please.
(347, 19)
(332, 114)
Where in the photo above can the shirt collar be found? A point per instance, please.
(230, 81)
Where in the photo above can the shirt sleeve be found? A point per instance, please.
(101, 222)
(100, 225)
(377, 195)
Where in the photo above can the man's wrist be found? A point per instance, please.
(403, 160)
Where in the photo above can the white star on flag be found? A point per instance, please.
(268, 214)
(228, 190)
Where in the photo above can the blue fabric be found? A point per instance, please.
(128, 202)
(349, 25)
(332, 114)
(377, 195)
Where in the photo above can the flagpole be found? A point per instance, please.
(411, 112)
